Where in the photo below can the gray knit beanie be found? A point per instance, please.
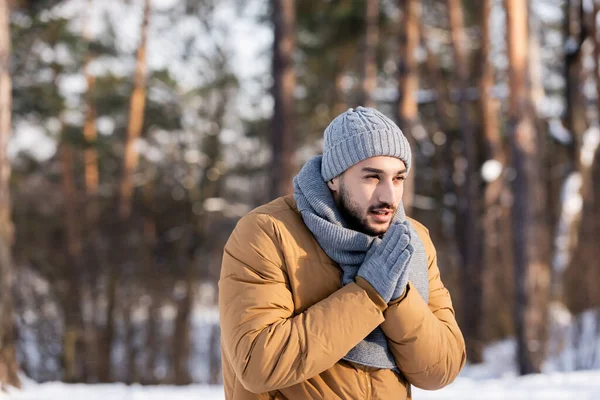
(358, 134)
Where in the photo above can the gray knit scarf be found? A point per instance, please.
(347, 248)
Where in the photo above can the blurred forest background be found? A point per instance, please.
(135, 133)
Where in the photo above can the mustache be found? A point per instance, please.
(383, 206)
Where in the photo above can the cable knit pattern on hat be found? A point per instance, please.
(358, 134)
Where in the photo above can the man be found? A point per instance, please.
(333, 293)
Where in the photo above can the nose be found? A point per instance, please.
(387, 192)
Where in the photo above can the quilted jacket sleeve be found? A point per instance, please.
(425, 339)
(268, 345)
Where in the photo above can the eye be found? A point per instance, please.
(400, 178)
(371, 177)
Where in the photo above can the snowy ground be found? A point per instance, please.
(495, 378)
(583, 385)
(60, 391)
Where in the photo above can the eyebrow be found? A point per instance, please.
(380, 171)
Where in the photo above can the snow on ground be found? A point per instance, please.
(584, 385)
(574, 345)
(495, 378)
(60, 391)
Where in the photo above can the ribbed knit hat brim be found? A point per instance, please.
(360, 134)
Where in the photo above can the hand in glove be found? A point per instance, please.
(386, 264)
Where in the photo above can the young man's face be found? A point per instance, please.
(368, 193)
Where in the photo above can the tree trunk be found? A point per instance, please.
(8, 363)
(369, 83)
(200, 244)
(596, 55)
(108, 333)
(444, 136)
(130, 336)
(576, 121)
(73, 330)
(530, 241)
(90, 133)
(126, 189)
(181, 335)
(152, 340)
(91, 179)
(215, 356)
(72, 228)
(408, 85)
(152, 345)
(582, 247)
(583, 267)
(136, 120)
(73, 364)
(496, 225)
(575, 114)
(435, 74)
(284, 83)
(487, 106)
(469, 232)
(90, 331)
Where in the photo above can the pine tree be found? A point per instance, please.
(8, 363)
(532, 275)
(283, 15)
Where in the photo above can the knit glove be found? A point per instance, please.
(386, 262)
(403, 280)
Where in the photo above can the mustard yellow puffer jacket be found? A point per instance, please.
(286, 321)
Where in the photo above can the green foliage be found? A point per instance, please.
(330, 38)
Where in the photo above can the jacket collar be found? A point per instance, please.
(291, 202)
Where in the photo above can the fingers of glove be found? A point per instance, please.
(400, 263)
(395, 252)
(406, 255)
(403, 263)
(374, 246)
(407, 225)
(374, 276)
(392, 237)
(378, 247)
(410, 249)
(393, 232)
(373, 251)
(403, 279)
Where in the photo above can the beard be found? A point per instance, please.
(355, 218)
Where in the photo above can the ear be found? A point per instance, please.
(333, 184)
